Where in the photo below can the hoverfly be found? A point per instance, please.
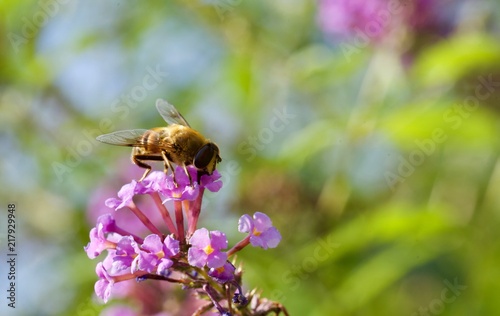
(177, 143)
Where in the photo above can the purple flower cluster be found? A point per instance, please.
(344, 17)
(374, 19)
(194, 258)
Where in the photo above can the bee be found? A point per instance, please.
(177, 143)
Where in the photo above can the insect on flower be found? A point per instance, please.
(177, 143)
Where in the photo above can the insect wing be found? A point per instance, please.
(132, 137)
(170, 113)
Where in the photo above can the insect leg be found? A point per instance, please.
(167, 165)
(138, 159)
(189, 175)
(141, 164)
(199, 174)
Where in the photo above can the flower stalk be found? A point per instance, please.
(164, 213)
(194, 212)
(179, 220)
(143, 218)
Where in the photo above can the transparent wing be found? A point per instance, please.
(170, 113)
(131, 137)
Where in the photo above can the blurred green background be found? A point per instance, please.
(377, 157)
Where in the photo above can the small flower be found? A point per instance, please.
(211, 182)
(182, 189)
(125, 196)
(155, 181)
(108, 223)
(205, 248)
(261, 230)
(155, 254)
(105, 283)
(223, 274)
(98, 241)
(126, 251)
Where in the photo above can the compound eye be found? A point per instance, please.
(204, 156)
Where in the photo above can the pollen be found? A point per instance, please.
(208, 249)
(256, 232)
(176, 195)
(220, 270)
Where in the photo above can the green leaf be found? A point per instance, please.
(449, 60)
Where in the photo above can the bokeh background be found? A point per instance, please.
(367, 130)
